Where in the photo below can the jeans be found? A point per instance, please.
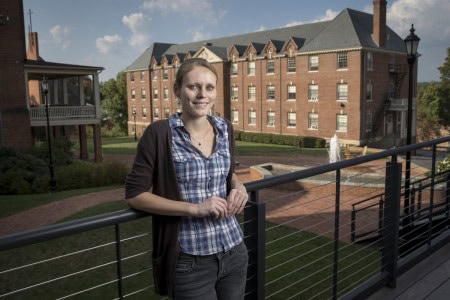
(219, 276)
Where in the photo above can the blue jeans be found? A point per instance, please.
(218, 276)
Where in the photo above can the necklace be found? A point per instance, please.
(198, 142)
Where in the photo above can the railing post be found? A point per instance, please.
(447, 200)
(255, 240)
(391, 224)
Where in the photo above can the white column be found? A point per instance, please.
(97, 95)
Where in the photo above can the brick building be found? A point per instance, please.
(73, 90)
(346, 77)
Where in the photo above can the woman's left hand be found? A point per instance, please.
(236, 201)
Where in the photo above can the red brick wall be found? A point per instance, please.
(15, 131)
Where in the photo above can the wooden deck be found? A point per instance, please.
(430, 279)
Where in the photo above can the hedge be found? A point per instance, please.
(279, 139)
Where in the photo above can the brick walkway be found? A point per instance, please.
(55, 211)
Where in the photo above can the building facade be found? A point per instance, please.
(346, 77)
(73, 95)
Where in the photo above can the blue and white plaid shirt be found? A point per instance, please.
(200, 178)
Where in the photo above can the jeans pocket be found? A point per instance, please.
(184, 265)
(240, 249)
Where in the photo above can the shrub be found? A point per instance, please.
(279, 139)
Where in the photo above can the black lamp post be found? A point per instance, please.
(45, 85)
(411, 43)
(135, 128)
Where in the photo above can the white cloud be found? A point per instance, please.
(192, 8)
(430, 19)
(198, 35)
(136, 23)
(108, 43)
(329, 15)
(60, 35)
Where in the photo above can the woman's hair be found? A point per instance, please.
(188, 65)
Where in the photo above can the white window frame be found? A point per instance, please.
(290, 119)
(313, 92)
(271, 117)
(313, 121)
(252, 117)
(341, 119)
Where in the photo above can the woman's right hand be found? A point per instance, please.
(213, 206)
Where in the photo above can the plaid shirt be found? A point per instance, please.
(200, 178)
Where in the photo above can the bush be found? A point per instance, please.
(279, 139)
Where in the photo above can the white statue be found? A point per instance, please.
(334, 152)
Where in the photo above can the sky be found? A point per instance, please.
(113, 33)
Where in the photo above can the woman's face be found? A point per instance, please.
(197, 92)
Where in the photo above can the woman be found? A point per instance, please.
(184, 175)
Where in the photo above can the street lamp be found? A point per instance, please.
(411, 43)
(135, 129)
(45, 85)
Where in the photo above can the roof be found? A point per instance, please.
(350, 29)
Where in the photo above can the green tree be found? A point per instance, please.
(113, 95)
(433, 111)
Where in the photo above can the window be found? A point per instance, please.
(342, 60)
(270, 66)
(391, 90)
(165, 74)
(132, 76)
(166, 93)
(369, 91)
(234, 93)
(313, 121)
(156, 113)
(271, 118)
(392, 63)
(143, 93)
(292, 92)
(369, 60)
(341, 123)
(291, 65)
(133, 94)
(154, 75)
(313, 92)
(251, 68)
(142, 75)
(251, 117)
(155, 94)
(234, 69)
(133, 111)
(313, 64)
(270, 92)
(251, 93)
(369, 121)
(291, 119)
(166, 113)
(144, 112)
(235, 117)
(342, 91)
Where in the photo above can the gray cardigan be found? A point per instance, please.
(153, 169)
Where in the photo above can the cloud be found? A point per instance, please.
(329, 15)
(198, 35)
(137, 24)
(429, 17)
(187, 8)
(60, 35)
(108, 43)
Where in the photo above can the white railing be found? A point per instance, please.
(38, 113)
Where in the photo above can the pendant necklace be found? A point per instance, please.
(198, 142)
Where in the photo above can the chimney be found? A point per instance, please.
(33, 46)
(379, 22)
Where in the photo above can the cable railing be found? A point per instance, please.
(332, 231)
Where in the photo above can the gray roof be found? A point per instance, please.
(349, 29)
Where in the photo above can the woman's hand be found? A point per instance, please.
(236, 200)
(213, 206)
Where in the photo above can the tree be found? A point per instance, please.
(113, 95)
(433, 112)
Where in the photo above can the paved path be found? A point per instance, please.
(53, 212)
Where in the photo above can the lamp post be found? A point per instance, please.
(411, 43)
(45, 85)
(135, 129)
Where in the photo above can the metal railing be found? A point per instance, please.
(298, 228)
(37, 113)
